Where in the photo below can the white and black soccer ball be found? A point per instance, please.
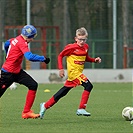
(13, 86)
(127, 113)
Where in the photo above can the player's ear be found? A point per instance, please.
(75, 38)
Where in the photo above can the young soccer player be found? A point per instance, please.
(11, 71)
(77, 55)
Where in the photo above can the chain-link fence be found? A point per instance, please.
(68, 15)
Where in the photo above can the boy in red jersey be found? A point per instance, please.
(77, 55)
(11, 71)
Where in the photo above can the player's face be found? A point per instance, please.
(81, 40)
(29, 39)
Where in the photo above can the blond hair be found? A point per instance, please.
(81, 32)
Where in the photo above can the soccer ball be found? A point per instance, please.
(127, 113)
(13, 86)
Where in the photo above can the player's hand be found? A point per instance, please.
(61, 73)
(98, 60)
(47, 60)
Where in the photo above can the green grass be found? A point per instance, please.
(105, 104)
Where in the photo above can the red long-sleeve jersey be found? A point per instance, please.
(18, 46)
(76, 57)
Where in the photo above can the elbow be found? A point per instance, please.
(28, 56)
(30, 59)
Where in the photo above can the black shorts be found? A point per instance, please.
(6, 79)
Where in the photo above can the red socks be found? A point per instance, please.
(84, 99)
(83, 102)
(29, 100)
(50, 103)
(31, 97)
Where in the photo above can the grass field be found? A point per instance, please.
(105, 105)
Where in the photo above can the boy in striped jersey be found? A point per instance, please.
(77, 55)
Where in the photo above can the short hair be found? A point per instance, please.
(81, 32)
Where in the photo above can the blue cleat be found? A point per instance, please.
(83, 112)
(42, 110)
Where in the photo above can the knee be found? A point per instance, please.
(33, 86)
(87, 86)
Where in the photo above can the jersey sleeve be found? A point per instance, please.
(34, 57)
(89, 59)
(6, 45)
(24, 47)
(28, 54)
(66, 52)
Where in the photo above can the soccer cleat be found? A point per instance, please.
(42, 110)
(132, 122)
(30, 114)
(83, 112)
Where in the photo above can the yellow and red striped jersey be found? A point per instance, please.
(76, 56)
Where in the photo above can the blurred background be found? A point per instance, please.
(109, 24)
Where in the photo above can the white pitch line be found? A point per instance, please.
(117, 91)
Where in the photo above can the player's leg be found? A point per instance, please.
(6, 79)
(31, 84)
(61, 93)
(85, 96)
(54, 99)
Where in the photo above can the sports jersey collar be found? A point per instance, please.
(80, 46)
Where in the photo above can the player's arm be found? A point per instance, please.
(89, 59)
(96, 60)
(34, 57)
(6, 45)
(66, 52)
